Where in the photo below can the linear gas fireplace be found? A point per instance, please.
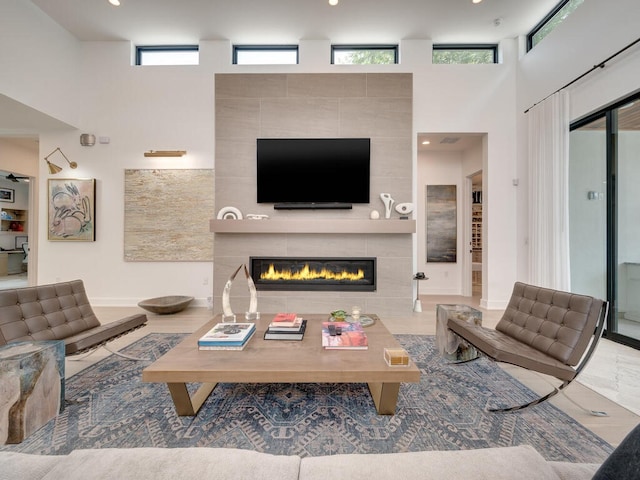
(304, 273)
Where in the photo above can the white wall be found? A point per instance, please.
(40, 61)
(594, 32)
(138, 109)
(473, 99)
(94, 87)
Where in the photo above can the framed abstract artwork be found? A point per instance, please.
(7, 195)
(441, 224)
(72, 209)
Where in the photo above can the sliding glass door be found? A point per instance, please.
(605, 214)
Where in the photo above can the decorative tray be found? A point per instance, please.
(364, 320)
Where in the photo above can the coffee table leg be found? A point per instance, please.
(185, 403)
(385, 397)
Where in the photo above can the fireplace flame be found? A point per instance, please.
(307, 273)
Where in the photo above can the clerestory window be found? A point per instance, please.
(464, 53)
(364, 54)
(265, 54)
(167, 55)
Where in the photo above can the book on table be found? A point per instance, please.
(277, 327)
(226, 346)
(284, 320)
(298, 334)
(227, 335)
(352, 336)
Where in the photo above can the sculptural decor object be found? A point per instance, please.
(252, 313)
(404, 208)
(388, 203)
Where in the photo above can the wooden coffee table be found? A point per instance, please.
(278, 361)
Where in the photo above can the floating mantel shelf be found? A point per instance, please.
(326, 225)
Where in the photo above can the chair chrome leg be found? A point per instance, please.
(526, 405)
(560, 389)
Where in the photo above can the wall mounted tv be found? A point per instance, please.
(313, 172)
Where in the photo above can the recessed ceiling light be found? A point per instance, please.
(476, 1)
(426, 142)
(116, 3)
(333, 3)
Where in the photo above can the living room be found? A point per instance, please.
(92, 87)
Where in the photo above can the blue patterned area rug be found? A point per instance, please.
(445, 411)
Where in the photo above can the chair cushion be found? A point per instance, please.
(503, 348)
(559, 324)
(45, 312)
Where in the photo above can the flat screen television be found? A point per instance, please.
(313, 172)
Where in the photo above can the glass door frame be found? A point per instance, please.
(610, 113)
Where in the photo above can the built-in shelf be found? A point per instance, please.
(327, 225)
(13, 220)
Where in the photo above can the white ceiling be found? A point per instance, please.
(149, 22)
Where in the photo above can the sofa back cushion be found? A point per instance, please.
(560, 324)
(522, 462)
(45, 312)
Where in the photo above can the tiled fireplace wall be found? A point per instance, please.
(376, 106)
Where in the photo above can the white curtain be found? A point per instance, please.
(549, 193)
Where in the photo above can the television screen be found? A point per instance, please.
(313, 170)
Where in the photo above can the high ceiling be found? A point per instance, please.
(161, 22)
(171, 22)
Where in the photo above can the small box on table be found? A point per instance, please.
(396, 357)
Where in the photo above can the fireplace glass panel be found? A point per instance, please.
(304, 273)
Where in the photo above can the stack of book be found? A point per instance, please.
(286, 326)
(344, 336)
(227, 336)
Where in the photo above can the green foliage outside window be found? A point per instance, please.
(464, 56)
(364, 57)
(554, 21)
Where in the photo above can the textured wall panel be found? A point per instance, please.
(376, 106)
(166, 215)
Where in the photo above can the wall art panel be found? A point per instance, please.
(166, 215)
(442, 235)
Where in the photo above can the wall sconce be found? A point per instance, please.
(53, 168)
(87, 140)
(165, 153)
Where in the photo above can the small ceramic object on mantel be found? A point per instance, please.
(229, 213)
(256, 216)
(374, 215)
(404, 208)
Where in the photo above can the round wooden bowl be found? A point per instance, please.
(166, 305)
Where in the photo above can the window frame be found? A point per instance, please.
(141, 49)
(365, 47)
(543, 23)
(493, 47)
(264, 48)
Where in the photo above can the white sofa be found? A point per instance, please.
(508, 463)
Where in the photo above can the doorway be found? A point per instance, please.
(450, 159)
(476, 234)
